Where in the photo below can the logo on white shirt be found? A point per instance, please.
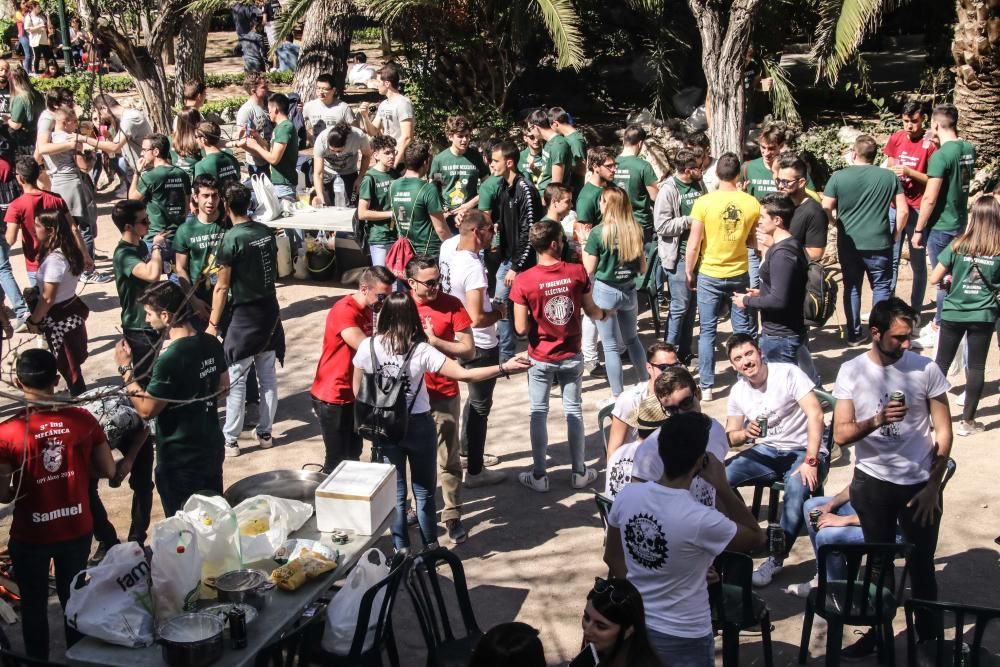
(645, 541)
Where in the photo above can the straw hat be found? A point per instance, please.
(648, 415)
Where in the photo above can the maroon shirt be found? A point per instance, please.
(554, 296)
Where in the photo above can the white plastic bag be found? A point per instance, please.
(214, 521)
(111, 601)
(342, 612)
(268, 205)
(176, 567)
(265, 522)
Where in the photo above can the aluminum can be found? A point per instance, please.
(237, 627)
(762, 425)
(776, 540)
(897, 397)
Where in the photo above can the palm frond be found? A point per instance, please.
(782, 100)
(207, 6)
(389, 11)
(842, 28)
(563, 24)
(291, 13)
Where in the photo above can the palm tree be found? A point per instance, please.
(843, 26)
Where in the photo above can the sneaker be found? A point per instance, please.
(960, 401)
(765, 572)
(580, 481)
(99, 554)
(251, 416)
(232, 449)
(265, 441)
(596, 370)
(858, 342)
(862, 648)
(97, 278)
(456, 531)
(706, 394)
(802, 590)
(489, 460)
(20, 326)
(969, 427)
(411, 516)
(484, 478)
(928, 337)
(540, 484)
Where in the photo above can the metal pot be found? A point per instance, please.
(191, 640)
(291, 484)
(252, 587)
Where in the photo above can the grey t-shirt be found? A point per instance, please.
(315, 112)
(392, 112)
(258, 119)
(135, 127)
(60, 163)
(346, 161)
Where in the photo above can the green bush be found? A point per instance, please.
(432, 106)
(226, 109)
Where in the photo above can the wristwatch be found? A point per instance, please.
(127, 368)
(811, 461)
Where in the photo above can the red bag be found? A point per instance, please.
(400, 253)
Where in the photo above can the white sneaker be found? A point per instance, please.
(706, 394)
(969, 428)
(232, 449)
(802, 590)
(528, 479)
(265, 441)
(484, 478)
(960, 401)
(765, 572)
(580, 481)
(928, 337)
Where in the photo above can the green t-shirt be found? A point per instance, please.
(634, 175)
(687, 195)
(221, 166)
(864, 193)
(555, 151)
(969, 300)
(375, 190)
(188, 433)
(185, 164)
(760, 180)
(953, 164)
(166, 190)
(609, 269)
(530, 166)
(251, 252)
(588, 204)
(460, 176)
(578, 146)
(25, 109)
(488, 191)
(413, 201)
(130, 287)
(200, 242)
(283, 173)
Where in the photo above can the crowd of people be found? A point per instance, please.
(472, 248)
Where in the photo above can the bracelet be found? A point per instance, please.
(213, 324)
(503, 372)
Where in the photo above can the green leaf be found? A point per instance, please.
(782, 99)
(842, 27)
(563, 23)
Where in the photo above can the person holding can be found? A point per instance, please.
(788, 446)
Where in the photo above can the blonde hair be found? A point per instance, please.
(619, 230)
(982, 237)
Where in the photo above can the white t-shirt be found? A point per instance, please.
(619, 472)
(425, 359)
(346, 161)
(259, 120)
(135, 127)
(648, 466)
(60, 163)
(314, 111)
(393, 111)
(461, 271)
(899, 453)
(670, 540)
(55, 269)
(709, 177)
(625, 405)
(46, 123)
(360, 74)
(778, 399)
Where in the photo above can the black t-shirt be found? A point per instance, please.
(782, 289)
(809, 224)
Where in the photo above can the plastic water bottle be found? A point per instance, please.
(339, 192)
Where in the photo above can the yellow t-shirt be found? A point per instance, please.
(729, 219)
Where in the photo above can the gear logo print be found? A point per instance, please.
(559, 310)
(645, 541)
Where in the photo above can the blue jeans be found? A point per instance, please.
(236, 400)
(419, 449)
(28, 55)
(854, 263)
(619, 331)
(836, 568)
(766, 464)
(683, 651)
(936, 243)
(711, 293)
(9, 283)
(683, 307)
(918, 259)
(505, 327)
(781, 348)
(569, 373)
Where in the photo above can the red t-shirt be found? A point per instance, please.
(448, 315)
(554, 296)
(912, 154)
(334, 374)
(50, 452)
(22, 211)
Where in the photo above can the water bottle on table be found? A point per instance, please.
(339, 192)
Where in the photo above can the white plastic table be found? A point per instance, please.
(326, 219)
(285, 608)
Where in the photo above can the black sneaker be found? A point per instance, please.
(456, 531)
(862, 648)
(597, 371)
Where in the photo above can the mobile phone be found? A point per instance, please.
(588, 657)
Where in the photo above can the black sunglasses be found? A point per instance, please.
(433, 283)
(664, 367)
(602, 586)
(683, 406)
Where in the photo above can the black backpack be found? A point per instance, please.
(381, 413)
(821, 294)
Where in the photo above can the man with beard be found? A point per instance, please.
(902, 448)
(197, 242)
(789, 450)
(4, 87)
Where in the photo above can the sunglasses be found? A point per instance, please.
(664, 367)
(617, 596)
(786, 182)
(684, 406)
(433, 283)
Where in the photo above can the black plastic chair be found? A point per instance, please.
(603, 416)
(736, 607)
(298, 646)
(864, 598)
(646, 285)
(980, 618)
(425, 588)
(603, 507)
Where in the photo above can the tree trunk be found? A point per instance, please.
(725, 29)
(976, 49)
(326, 42)
(192, 38)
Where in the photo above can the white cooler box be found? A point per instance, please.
(356, 496)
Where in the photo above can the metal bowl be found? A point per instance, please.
(191, 640)
(291, 484)
(252, 587)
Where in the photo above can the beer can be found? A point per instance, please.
(762, 425)
(897, 397)
(776, 540)
(814, 516)
(237, 627)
